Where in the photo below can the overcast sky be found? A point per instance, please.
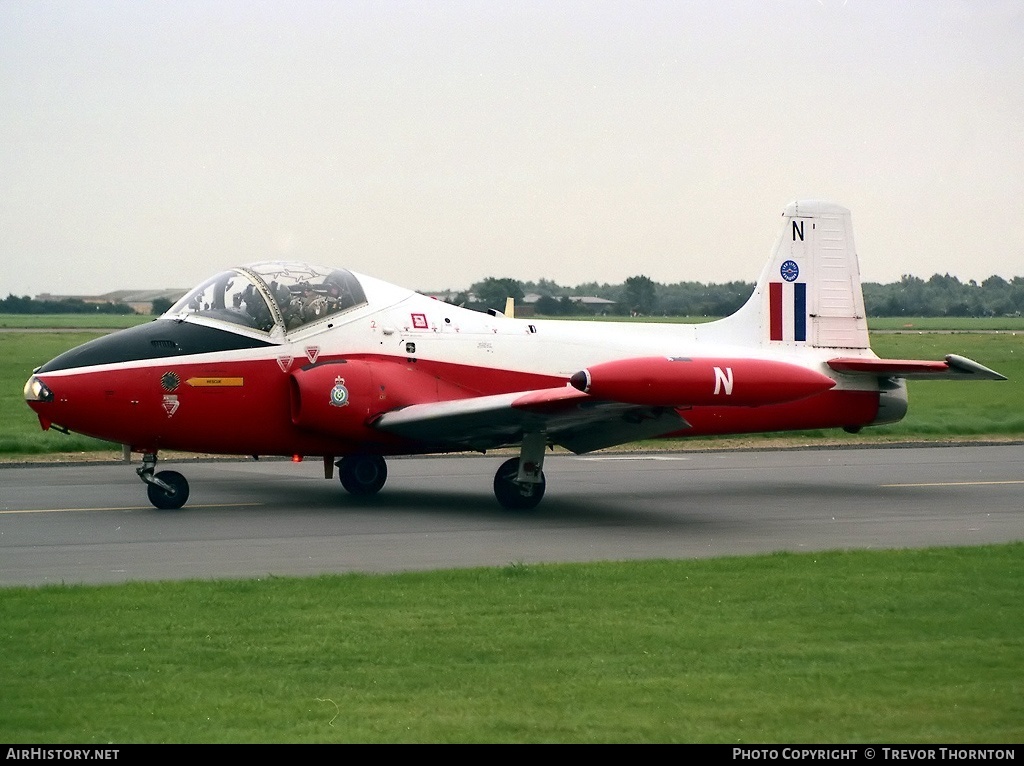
(432, 144)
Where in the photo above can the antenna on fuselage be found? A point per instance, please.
(509, 312)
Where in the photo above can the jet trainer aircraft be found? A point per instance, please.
(293, 359)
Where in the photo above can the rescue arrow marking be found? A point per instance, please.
(215, 382)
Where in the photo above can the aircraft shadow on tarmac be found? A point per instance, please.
(664, 506)
(290, 496)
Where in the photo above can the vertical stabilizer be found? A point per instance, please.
(809, 293)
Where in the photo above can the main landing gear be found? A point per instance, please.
(519, 482)
(513, 494)
(168, 490)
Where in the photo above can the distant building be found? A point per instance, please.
(451, 296)
(592, 304)
(596, 305)
(528, 305)
(140, 301)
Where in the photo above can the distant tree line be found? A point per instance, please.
(12, 304)
(941, 295)
(638, 295)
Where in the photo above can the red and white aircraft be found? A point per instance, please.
(284, 358)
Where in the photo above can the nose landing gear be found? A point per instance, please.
(362, 474)
(167, 490)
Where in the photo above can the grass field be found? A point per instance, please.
(949, 408)
(951, 324)
(903, 324)
(20, 353)
(919, 646)
(938, 410)
(882, 324)
(72, 321)
(922, 646)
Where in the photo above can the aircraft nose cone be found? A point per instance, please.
(580, 380)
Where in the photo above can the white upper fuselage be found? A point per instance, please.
(394, 317)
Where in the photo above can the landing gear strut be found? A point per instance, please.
(168, 490)
(519, 482)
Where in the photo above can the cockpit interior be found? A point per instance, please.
(270, 295)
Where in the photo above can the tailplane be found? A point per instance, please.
(809, 298)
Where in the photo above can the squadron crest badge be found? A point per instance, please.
(339, 394)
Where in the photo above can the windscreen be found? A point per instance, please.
(263, 295)
(231, 296)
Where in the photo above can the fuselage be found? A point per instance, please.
(207, 377)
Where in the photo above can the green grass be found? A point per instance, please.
(952, 324)
(902, 324)
(884, 324)
(938, 409)
(20, 353)
(73, 321)
(942, 409)
(631, 319)
(898, 646)
(948, 408)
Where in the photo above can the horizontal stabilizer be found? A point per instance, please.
(954, 368)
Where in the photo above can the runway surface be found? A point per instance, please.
(83, 523)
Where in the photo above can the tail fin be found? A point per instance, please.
(809, 294)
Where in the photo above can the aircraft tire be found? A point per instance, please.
(169, 501)
(509, 492)
(362, 474)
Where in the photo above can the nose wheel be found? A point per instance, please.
(167, 490)
(362, 474)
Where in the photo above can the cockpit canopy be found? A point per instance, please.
(275, 294)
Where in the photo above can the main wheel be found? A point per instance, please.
(511, 494)
(362, 474)
(168, 501)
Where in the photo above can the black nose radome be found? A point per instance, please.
(153, 340)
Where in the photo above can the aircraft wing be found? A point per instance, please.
(570, 418)
(954, 368)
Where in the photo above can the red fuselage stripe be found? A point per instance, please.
(269, 412)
